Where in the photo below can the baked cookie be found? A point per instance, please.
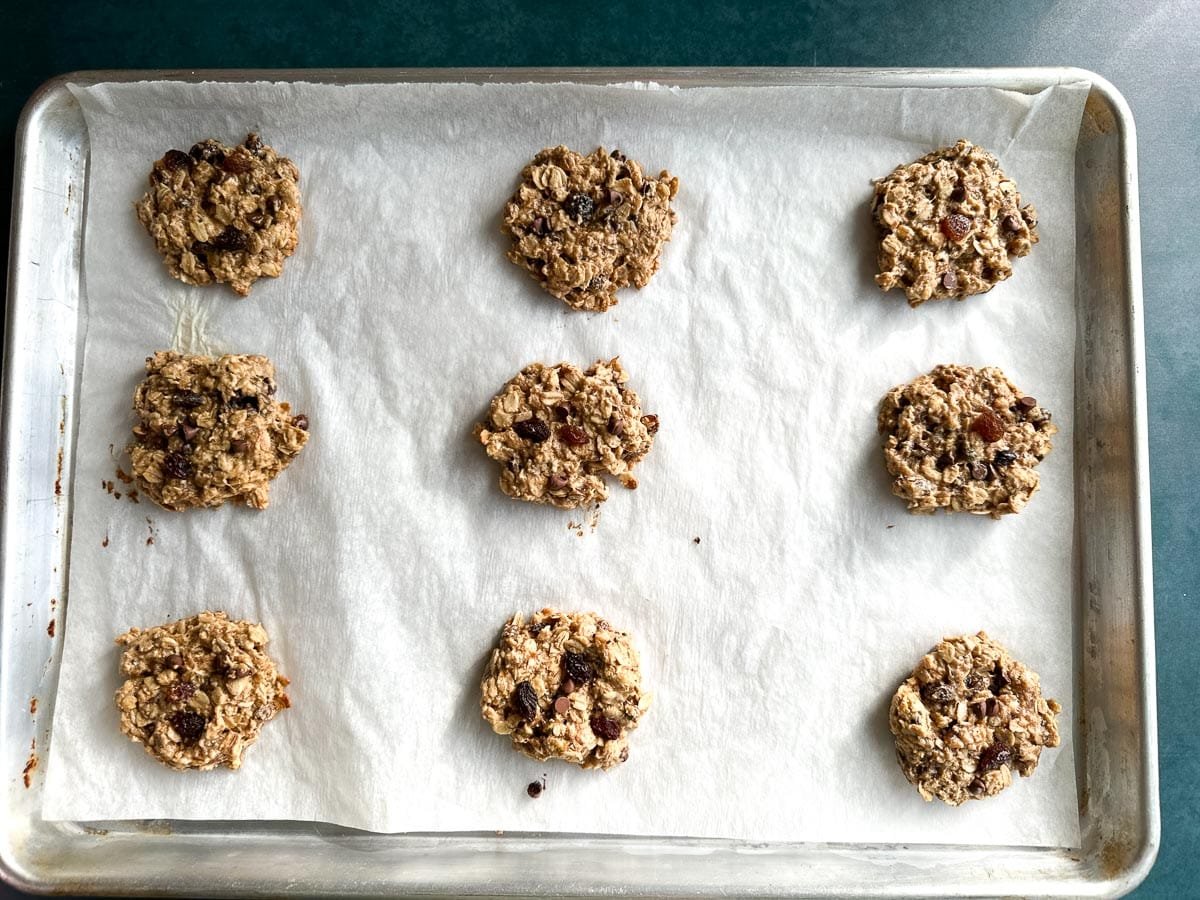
(556, 430)
(964, 440)
(219, 213)
(585, 226)
(198, 691)
(565, 686)
(967, 717)
(210, 431)
(949, 225)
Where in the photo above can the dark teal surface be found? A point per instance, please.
(1149, 50)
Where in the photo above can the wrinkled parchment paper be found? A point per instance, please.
(388, 558)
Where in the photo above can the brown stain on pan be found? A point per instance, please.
(30, 764)
(33, 706)
(58, 475)
(50, 628)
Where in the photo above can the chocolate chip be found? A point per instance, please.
(253, 143)
(181, 691)
(175, 159)
(979, 471)
(648, 188)
(273, 206)
(532, 429)
(231, 239)
(999, 682)
(944, 462)
(244, 401)
(993, 757)
(237, 448)
(237, 162)
(557, 482)
(975, 788)
(174, 661)
(525, 701)
(188, 430)
(622, 173)
(579, 207)
(937, 693)
(615, 198)
(616, 427)
(540, 226)
(950, 280)
(1012, 223)
(572, 435)
(604, 727)
(176, 465)
(617, 155)
(188, 725)
(651, 423)
(534, 790)
(578, 667)
(562, 412)
(568, 686)
(257, 218)
(1027, 403)
(1004, 458)
(301, 422)
(561, 705)
(209, 152)
(958, 195)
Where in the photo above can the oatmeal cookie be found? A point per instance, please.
(949, 225)
(585, 226)
(198, 691)
(219, 213)
(967, 717)
(556, 430)
(210, 431)
(964, 440)
(565, 686)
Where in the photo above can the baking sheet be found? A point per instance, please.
(388, 559)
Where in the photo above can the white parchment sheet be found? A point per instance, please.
(389, 559)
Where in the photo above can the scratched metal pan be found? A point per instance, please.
(1115, 693)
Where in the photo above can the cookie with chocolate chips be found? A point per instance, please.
(950, 225)
(558, 430)
(565, 686)
(210, 431)
(198, 691)
(967, 717)
(964, 440)
(586, 226)
(223, 214)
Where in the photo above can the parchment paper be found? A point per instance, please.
(388, 558)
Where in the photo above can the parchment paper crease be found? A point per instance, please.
(389, 559)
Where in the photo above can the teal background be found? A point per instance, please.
(1149, 50)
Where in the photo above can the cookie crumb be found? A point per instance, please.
(695, 540)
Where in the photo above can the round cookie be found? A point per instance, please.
(964, 440)
(198, 691)
(556, 430)
(584, 226)
(223, 214)
(565, 686)
(967, 717)
(949, 225)
(209, 431)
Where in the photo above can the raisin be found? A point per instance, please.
(175, 159)
(976, 680)
(572, 435)
(604, 727)
(534, 790)
(578, 667)
(188, 725)
(999, 682)
(988, 426)
(244, 401)
(944, 462)
(231, 239)
(237, 163)
(209, 152)
(202, 247)
(525, 701)
(253, 143)
(993, 757)
(533, 429)
(651, 423)
(1004, 458)
(955, 226)
(579, 207)
(180, 691)
(937, 693)
(176, 465)
(958, 195)
(188, 399)
(301, 422)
